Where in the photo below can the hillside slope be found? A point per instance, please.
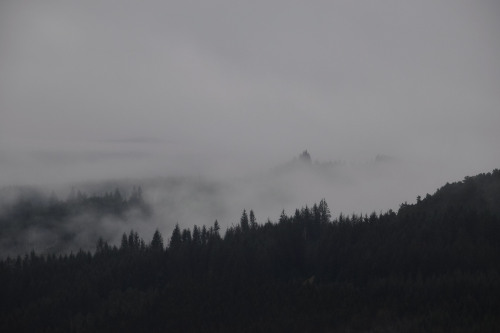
(480, 193)
(433, 266)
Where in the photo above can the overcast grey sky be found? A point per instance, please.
(122, 88)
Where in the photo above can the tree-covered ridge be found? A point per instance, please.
(35, 220)
(430, 267)
(479, 193)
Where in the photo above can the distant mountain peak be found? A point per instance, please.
(305, 157)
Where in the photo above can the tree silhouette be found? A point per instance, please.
(431, 266)
(157, 242)
(253, 222)
(176, 238)
(244, 223)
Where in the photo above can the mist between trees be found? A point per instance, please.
(430, 266)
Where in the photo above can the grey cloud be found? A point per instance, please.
(227, 88)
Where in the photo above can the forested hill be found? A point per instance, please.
(31, 219)
(434, 266)
(480, 193)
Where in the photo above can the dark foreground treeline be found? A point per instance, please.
(431, 267)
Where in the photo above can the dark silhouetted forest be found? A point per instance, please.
(432, 266)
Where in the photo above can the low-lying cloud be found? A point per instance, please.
(219, 93)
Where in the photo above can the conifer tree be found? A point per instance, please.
(253, 222)
(244, 221)
(214, 231)
(157, 242)
(124, 242)
(186, 236)
(324, 211)
(175, 239)
(196, 236)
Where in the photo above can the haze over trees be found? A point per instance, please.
(203, 104)
(78, 214)
(432, 266)
(32, 220)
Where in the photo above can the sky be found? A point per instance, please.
(103, 89)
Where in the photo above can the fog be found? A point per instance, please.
(221, 94)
